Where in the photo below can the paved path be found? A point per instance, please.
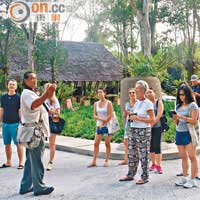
(85, 147)
(73, 181)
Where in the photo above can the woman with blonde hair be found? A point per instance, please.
(127, 111)
(139, 134)
(54, 112)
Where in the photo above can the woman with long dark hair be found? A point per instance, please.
(103, 110)
(186, 112)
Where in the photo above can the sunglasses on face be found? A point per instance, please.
(131, 92)
(181, 94)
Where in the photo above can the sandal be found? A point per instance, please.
(126, 178)
(91, 165)
(123, 162)
(20, 167)
(105, 164)
(5, 166)
(142, 181)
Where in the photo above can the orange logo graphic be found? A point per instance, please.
(19, 12)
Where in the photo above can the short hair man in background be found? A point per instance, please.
(10, 117)
(196, 88)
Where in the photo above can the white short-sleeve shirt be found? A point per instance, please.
(140, 109)
(30, 116)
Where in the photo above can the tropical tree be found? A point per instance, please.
(49, 52)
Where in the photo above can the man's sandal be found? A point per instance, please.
(141, 182)
(5, 166)
(91, 165)
(123, 162)
(126, 178)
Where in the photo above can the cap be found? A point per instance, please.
(194, 77)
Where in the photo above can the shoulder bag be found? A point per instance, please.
(30, 135)
(113, 124)
(194, 130)
(194, 133)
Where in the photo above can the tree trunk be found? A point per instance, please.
(190, 65)
(30, 55)
(53, 60)
(30, 34)
(145, 28)
(125, 45)
(53, 69)
(5, 51)
(132, 40)
(153, 26)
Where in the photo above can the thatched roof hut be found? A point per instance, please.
(86, 62)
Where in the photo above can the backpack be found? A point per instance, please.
(163, 120)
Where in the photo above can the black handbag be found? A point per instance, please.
(56, 127)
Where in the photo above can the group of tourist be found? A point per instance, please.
(142, 135)
(143, 130)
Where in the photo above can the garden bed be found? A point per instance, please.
(80, 123)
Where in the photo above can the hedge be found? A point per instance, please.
(80, 123)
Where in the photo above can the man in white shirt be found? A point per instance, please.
(32, 110)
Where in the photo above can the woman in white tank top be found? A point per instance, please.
(102, 113)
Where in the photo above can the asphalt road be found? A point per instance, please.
(73, 181)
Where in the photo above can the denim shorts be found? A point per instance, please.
(182, 138)
(9, 132)
(102, 131)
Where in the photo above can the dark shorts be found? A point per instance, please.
(102, 131)
(182, 138)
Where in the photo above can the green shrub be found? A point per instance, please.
(80, 123)
(64, 91)
(170, 134)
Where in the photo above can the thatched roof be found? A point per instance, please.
(86, 62)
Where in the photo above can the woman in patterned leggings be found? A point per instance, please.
(139, 135)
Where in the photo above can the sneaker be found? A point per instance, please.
(49, 166)
(181, 181)
(153, 167)
(179, 174)
(159, 169)
(190, 183)
(197, 177)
